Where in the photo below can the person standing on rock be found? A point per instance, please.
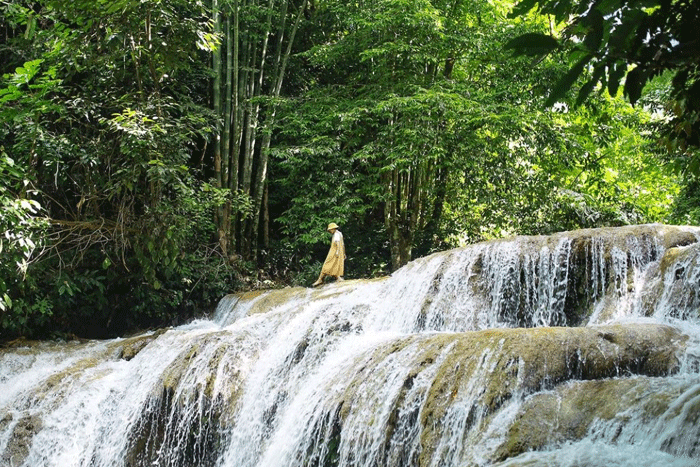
(335, 261)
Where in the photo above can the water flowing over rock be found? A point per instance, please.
(575, 349)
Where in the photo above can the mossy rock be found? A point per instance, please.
(568, 413)
(226, 359)
(262, 301)
(484, 370)
(639, 243)
(20, 440)
(126, 349)
(195, 401)
(266, 300)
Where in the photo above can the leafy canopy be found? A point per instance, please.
(627, 43)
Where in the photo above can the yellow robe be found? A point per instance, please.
(335, 261)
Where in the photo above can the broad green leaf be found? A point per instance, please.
(587, 88)
(532, 44)
(523, 7)
(593, 21)
(615, 75)
(634, 83)
(564, 84)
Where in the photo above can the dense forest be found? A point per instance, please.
(158, 154)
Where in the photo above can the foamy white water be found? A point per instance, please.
(374, 373)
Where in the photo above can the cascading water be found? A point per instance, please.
(577, 349)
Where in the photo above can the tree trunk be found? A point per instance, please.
(254, 68)
(281, 61)
(236, 111)
(217, 94)
(391, 218)
(222, 230)
(226, 138)
(266, 218)
(406, 209)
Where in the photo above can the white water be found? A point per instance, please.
(342, 375)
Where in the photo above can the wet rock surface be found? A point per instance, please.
(23, 430)
(487, 369)
(584, 372)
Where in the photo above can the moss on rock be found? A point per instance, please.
(21, 438)
(488, 368)
(188, 413)
(126, 349)
(484, 370)
(567, 413)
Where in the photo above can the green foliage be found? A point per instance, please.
(20, 236)
(686, 209)
(629, 43)
(407, 122)
(104, 119)
(499, 164)
(612, 176)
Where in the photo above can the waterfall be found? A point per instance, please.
(576, 349)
